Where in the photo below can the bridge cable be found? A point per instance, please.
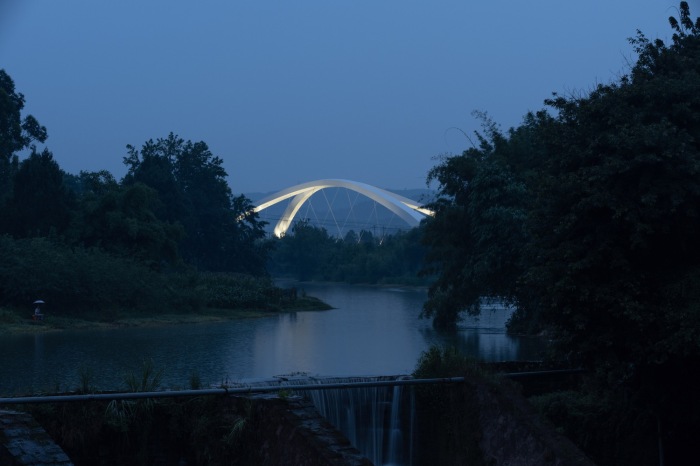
(330, 210)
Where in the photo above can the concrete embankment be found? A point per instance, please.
(485, 419)
(292, 432)
(23, 442)
(277, 431)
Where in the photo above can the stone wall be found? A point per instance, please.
(23, 442)
(291, 432)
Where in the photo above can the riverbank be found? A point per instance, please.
(16, 321)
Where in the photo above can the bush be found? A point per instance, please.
(608, 428)
(75, 281)
(236, 291)
(93, 284)
(446, 362)
(447, 414)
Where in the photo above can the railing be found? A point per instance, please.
(250, 389)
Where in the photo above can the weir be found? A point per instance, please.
(380, 417)
(378, 421)
(375, 414)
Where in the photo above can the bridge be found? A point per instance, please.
(410, 211)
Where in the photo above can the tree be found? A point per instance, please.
(476, 238)
(154, 166)
(16, 133)
(615, 257)
(221, 232)
(602, 201)
(611, 179)
(622, 182)
(39, 204)
(303, 251)
(121, 220)
(310, 253)
(246, 250)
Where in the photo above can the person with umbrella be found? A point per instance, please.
(37, 312)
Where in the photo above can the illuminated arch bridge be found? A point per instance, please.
(407, 209)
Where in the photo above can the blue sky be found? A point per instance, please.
(288, 92)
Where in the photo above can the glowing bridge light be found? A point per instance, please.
(407, 209)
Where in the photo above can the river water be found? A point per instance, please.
(370, 331)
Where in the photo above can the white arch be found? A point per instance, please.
(410, 211)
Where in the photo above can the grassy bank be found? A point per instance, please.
(20, 321)
(90, 288)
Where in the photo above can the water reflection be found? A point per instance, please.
(370, 331)
(484, 337)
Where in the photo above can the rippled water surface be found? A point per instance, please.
(370, 331)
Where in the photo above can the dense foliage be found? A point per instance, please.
(310, 253)
(447, 414)
(586, 219)
(221, 232)
(16, 133)
(94, 284)
(152, 241)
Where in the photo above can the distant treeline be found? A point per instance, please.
(310, 253)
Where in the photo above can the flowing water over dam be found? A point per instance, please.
(377, 420)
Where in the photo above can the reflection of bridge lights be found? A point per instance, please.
(407, 209)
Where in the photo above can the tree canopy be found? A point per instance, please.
(585, 217)
(88, 241)
(39, 203)
(221, 232)
(600, 194)
(310, 253)
(16, 133)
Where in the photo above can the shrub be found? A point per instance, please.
(74, 280)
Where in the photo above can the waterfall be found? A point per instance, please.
(395, 433)
(376, 420)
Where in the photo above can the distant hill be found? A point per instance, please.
(340, 210)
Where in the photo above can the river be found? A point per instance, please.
(370, 331)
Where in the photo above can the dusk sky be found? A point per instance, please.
(288, 92)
